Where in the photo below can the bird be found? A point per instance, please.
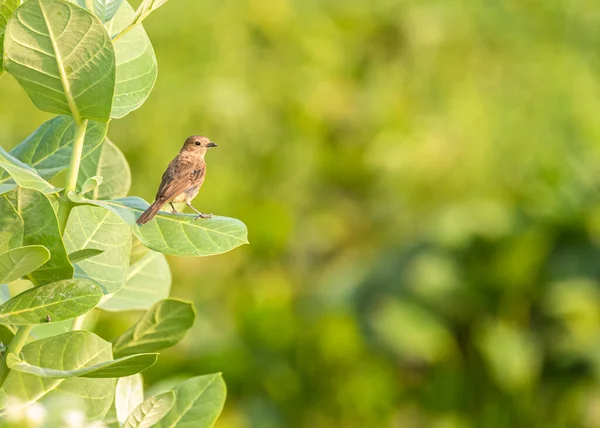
(182, 179)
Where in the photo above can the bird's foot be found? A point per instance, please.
(202, 215)
(175, 211)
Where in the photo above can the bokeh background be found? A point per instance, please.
(420, 180)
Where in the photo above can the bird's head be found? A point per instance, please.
(197, 144)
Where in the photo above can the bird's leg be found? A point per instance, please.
(200, 215)
(172, 206)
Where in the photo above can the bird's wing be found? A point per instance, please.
(179, 177)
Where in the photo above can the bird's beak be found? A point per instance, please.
(211, 144)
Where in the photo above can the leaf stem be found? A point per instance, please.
(16, 345)
(65, 204)
(138, 17)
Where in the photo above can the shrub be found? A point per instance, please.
(76, 248)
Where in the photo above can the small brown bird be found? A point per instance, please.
(182, 179)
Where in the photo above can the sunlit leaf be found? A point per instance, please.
(20, 261)
(129, 395)
(162, 326)
(176, 234)
(148, 282)
(80, 255)
(7, 7)
(18, 173)
(121, 367)
(97, 228)
(49, 148)
(11, 225)
(58, 352)
(52, 302)
(136, 64)
(198, 403)
(63, 57)
(147, 414)
(110, 163)
(41, 228)
(138, 251)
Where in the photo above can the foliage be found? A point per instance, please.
(73, 250)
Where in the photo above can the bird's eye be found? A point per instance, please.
(198, 143)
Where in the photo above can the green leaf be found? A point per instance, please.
(151, 411)
(49, 148)
(41, 228)
(20, 261)
(63, 57)
(80, 255)
(198, 403)
(148, 282)
(121, 367)
(22, 174)
(176, 234)
(129, 395)
(136, 64)
(58, 353)
(11, 225)
(61, 300)
(138, 251)
(109, 162)
(6, 333)
(162, 326)
(7, 7)
(106, 9)
(97, 228)
(91, 184)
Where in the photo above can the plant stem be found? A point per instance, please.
(16, 345)
(65, 204)
(78, 322)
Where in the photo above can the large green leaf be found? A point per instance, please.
(176, 234)
(136, 64)
(198, 403)
(53, 302)
(148, 282)
(49, 148)
(18, 173)
(63, 57)
(108, 162)
(147, 414)
(20, 261)
(11, 225)
(7, 7)
(94, 227)
(69, 351)
(41, 228)
(121, 367)
(129, 395)
(162, 326)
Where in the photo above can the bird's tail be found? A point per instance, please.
(150, 212)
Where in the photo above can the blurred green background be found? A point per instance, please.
(420, 182)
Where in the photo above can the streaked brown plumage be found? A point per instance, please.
(182, 179)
